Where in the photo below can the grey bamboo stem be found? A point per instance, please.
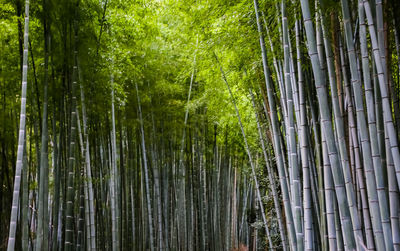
(276, 136)
(21, 138)
(347, 219)
(146, 173)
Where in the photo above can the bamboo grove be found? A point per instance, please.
(200, 125)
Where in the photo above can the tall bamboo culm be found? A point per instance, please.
(21, 138)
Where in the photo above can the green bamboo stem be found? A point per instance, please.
(43, 223)
(69, 226)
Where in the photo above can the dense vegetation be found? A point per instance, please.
(199, 125)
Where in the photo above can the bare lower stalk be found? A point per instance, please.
(271, 179)
(276, 136)
(253, 171)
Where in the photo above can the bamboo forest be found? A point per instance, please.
(221, 125)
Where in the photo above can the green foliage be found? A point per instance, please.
(151, 43)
